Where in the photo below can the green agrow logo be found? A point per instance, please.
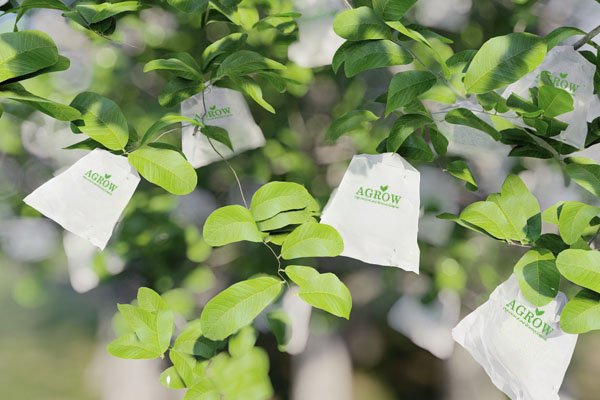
(530, 318)
(561, 81)
(378, 196)
(101, 180)
(217, 113)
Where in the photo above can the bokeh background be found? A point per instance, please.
(58, 295)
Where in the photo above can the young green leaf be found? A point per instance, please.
(163, 123)
(312, 240)
(217, 133)
(276, 197)
(360, 23)
(503, 60)
(178, 90)
(189, 6)
(61, 112)
(25, 52)
(170, 379)
(244, 62)
(586, 175)
(459, 169)
(403, 127)
(102, 120)
(225, 45)
(463, 116)
(238, 305)
(582, 313)
(230, 224)
(181, 64)
(574, 218)
(488, 216)
(406, 87)
(560, 34)
(554, 101)
(323, 291)
(165, 168)
(538, 276)
(130, 347)
(242, 342)
(351, 121)
(249, 87)
(371, 54)
(581, 267)
(392, 10)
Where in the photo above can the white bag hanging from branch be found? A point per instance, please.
(317, 42)
(520, 346)
(376, 211)
(89, 197)
(227, 109)
(568, 70)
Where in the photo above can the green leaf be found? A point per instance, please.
(203, 390)
(191, 341)
(323, 291)
(559, 35)
(312, 240)
(102, 120)
(181, 64)
(230, 224)
(406, 87)
(363, 56)
(16, 92)
(163, 123)
(459, 169)
(252, 89)
(351, 121)
(238, 305)
(403, 127)
(585, 175)
(170, 379)
(178, 90)
(276, 197)
(217, 133)
(225, 45)
(95, 13)
(462, 116)
(279, 323)
(360, 24)
(503, 60)
(244, 62)
(392, 10)
(415, 148)
(521, 209)
(581, 267)
(489, 217)
(27, 5)
(574, 218)
(151, 327)
(285, 219)
(582, 313)
(25, 52)
(439, 141)
(538, 276)
(554, 101)
(242, 342)
(189, 6)
(165, 168)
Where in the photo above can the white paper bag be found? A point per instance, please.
(89, 197)
(428, 325)
(376, 211)
(570, 71)
(317, 42)
(227, 109)
(521, 347)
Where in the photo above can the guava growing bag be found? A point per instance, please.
(376, 211)
(568, 70)
(227, 109)
(89, 197)
(520, 346)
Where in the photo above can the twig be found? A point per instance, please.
(593, 33)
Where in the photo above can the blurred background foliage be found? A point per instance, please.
(57, 308)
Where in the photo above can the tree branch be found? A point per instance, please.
(593, 33)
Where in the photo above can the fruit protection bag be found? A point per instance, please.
(89, 197)
(520, 346)
(376, 211)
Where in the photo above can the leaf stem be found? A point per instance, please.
(592, 34)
